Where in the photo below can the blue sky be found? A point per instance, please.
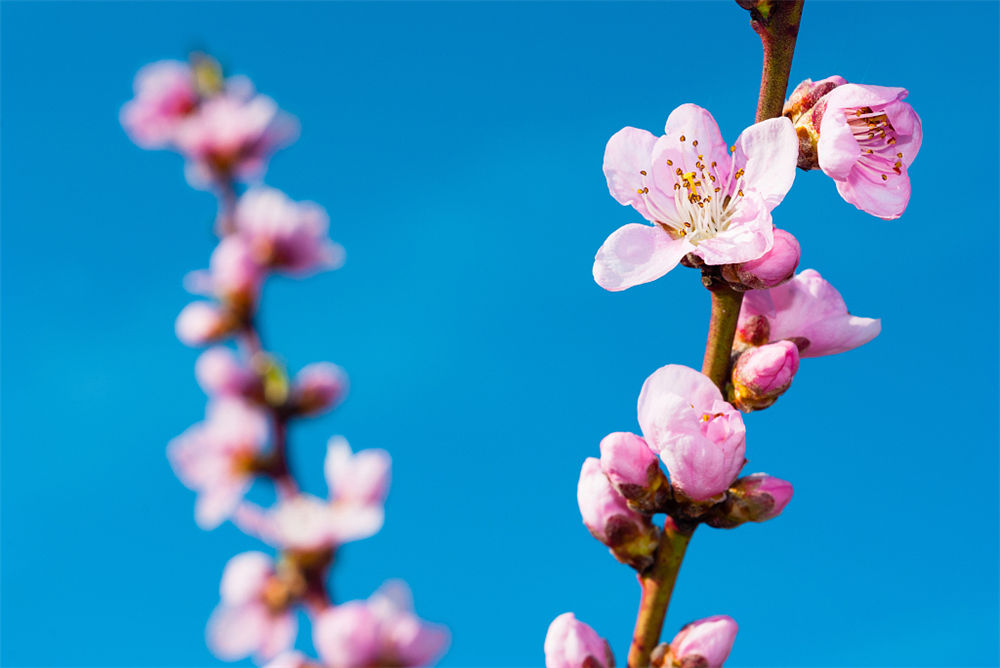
(457, 148)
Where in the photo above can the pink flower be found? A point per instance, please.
(771, 269)
(234, 273)
(570, 643)
(381, 631)
(232, 135)
(284, 234)
(699, 437)
(768, 495)
(705, 643)
(630, 535)
(809, 311)
(868, 137)
(220, 373)
(306, 523)
(631, 467)
(254, 616)
(761, 375)
(201, 323)
(216, 458)
(318, 387)
(164, 96)
(700, 199)
(359, 479)
(807, 94)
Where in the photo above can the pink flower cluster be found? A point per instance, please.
(227, 132)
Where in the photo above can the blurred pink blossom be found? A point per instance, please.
(216, 457)
(164, 96)
(809, 311)
(318, 387)
(698, 197)
(705, 643)
(358, 479)
(220, 373)
(201, 323)
(232, 136)
(307, 523)
(382, 631)
(286, 235)
(699, 437)
(255, 614)
(569, 643)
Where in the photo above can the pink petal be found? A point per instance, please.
(244, 577)
(695, 124)
(885, 199)
(672, 390)
(346, 636)
(235, 632)
(750, 234)
(636, 254)
(838, 149)
(768, 152)
(628, 153)
(216, 503)
(278, 636)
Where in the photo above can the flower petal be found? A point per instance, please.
(668, 391)
(749, 236)
(768, 152)
(636, 254)
(696, 124)
(629, 153)
(884, 199)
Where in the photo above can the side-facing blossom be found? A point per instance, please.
(569, 643)
(286, 235)
(216, 457)
(698, 197)
(810, 312)
(705, 643)
(165, 95)
(863, 137)
(232, 135)
(255, 614)
(382, 631)
(700, 438)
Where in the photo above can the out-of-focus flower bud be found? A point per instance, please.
(201, 323)
(634, 470)
(705, 643)
(761, 375)
(570, 643)
(807, 93)
(770, 270)
(347, 635)
(220, 373)
(755, 498)
(318, 387)
(164, 96)
(630, 535)
(235, 275)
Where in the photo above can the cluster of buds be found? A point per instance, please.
(227, 133)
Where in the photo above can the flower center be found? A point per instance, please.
(877, 138)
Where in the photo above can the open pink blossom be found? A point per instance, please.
(569, 643)
(705, 643)
(165, 95)
(356, 479)
(868, 137)
(382, 631)
(699, 437)
(215, 458)
(698, 197)
(318, 387)
(284, 234)
(255, 614)
(220, 373)
(307, 523)
(233, 136)
(809, 311)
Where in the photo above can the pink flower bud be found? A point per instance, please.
(807, 93)
(570, 643)
(200, 323)
(319, 387)
(235, 275)
(220, 373)
(761, 375)
(774, 267)
(164, 95)
(705, 643)
(633, 469)
(630, 535)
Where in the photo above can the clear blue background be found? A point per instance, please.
(458, 150)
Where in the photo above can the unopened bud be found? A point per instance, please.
(219, 372)
(770, 270)
(569, 643)
(319, 387)
(630, 535)
(761, 375)
(634, 470)
(200, 323)
(805, 108)
(705, 643)
(754, 498)
(807, 93)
